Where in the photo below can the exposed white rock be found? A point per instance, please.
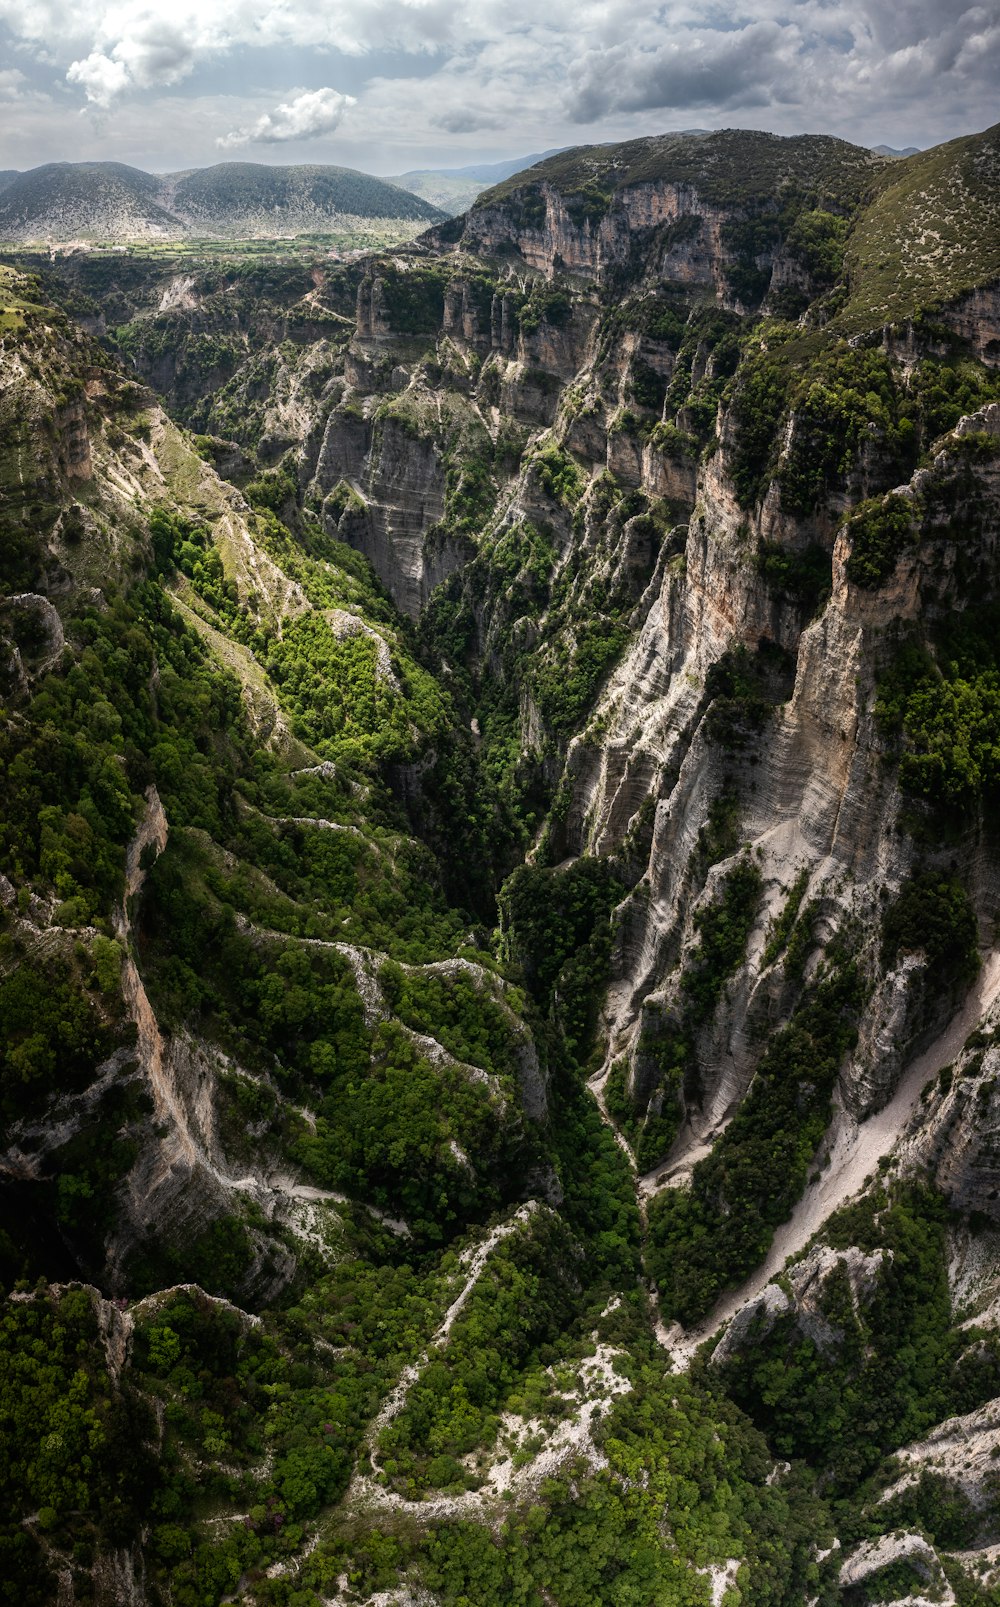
(966, 1450)
(869, 1559)
(802, 1291)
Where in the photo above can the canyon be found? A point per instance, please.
(503, 752)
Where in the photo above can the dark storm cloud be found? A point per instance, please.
(746, 68)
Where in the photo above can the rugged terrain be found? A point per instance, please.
(499, 987)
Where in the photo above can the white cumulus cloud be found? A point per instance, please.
(100, 78)
(310, 113)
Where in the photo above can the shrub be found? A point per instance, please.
(879, 531)
(933, 915)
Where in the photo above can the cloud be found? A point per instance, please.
(466, 120)
(159, 52)
(432, 75)
(750, 66)
(100, 78)
(309, 114)
(11, 83)
(128, 45)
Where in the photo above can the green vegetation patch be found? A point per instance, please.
(804, 575)
(933, 915)
(461, 1013)
(729, 167)
(879, 531)
(567, 684)
(835, 1405)
(782, 927)
(547, 302)
(422, 1140)
(742, 689)
(521, 1303)
(683, 1489)
(412, 298)
(705, 1239)
(78, 1468)
(943, 712)
(555, 925)
(665, 1064)
(817, 240)
(837, 394)
(343, 699)
(723, 928)
(947, 194)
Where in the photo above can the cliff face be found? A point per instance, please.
(680, 234)
(820, 798)
(757, 631)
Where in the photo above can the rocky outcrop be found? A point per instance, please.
(964, 1450)
(680, 232)
(805, 1294)
(396, 509)
(975, 319)
(863, 1565)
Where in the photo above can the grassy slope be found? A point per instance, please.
(731, 166)
(931, 232)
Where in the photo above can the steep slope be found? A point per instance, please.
(246, 199)
(251, 1054)
(710, 210)
(71, 200)
(694, 671)
(931, 235)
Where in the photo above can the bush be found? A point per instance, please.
(804, 575)
(817, 240)
(932, 915)
(946, 711)
(724, 927)
(879, 531)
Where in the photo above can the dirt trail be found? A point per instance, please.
(150, 832)
(475, 1261)
(855, 1151)
(364, 1488)
(599, 1383)
(182, 1145)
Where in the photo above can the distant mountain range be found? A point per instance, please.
(235, 200)
(112, 202)
(454, 189)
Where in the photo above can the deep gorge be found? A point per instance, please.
(498, 853)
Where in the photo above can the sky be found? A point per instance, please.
(390, 85)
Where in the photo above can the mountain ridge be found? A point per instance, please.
(114, 202)
(455, 188)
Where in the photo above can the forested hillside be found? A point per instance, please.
(108, 202)
(498, 1042)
